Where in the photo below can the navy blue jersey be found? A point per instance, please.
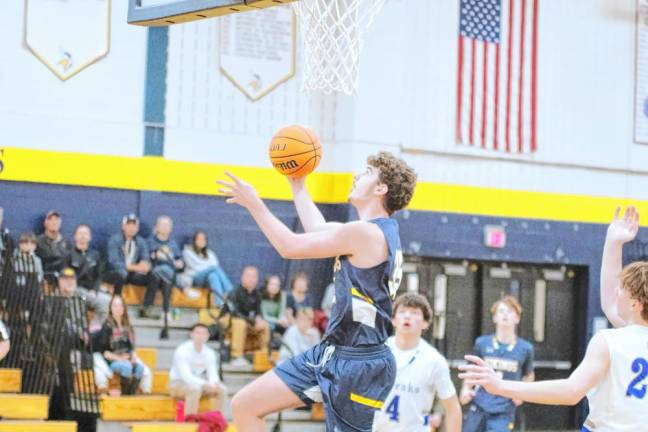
(512, 361)
(361, 314)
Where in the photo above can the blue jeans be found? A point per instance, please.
(126, 369)
(215, 279)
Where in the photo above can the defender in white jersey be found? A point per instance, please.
(422, 373)
(614, 372)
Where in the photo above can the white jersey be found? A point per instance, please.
(620, 402)
(422, 373)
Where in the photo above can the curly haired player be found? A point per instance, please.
(351, 370)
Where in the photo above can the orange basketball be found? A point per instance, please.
(295, 151)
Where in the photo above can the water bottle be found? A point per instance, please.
(180, 411)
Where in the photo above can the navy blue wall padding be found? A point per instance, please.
(238, 242)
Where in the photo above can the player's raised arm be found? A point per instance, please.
(621, 230)
(554, 392)
(345, 239)
(310, 216)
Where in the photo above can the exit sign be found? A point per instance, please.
(494, 236)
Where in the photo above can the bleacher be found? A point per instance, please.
(24, 412)
(156, 412)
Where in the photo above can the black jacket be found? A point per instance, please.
(52, 253)
(244, 304)
(88, 267)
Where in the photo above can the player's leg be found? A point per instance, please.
(363, 378)
(265, 395)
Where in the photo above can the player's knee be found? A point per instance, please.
(239, 406)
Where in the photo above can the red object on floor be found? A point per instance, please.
(212, 421)
(180, 412)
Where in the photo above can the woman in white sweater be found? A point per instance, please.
(202, 268)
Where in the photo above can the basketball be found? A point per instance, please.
(295, 151)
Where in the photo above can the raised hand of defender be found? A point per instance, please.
(238, 191)
(479, 373)
(624, 229)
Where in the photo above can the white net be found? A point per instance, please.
(333, 34)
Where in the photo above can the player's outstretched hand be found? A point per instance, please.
(296, 184)
(238, 191)
(623, 229)
(479, 373)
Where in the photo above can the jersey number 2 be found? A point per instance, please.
(636, 389)
(392, 408)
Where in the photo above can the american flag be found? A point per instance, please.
(497, 75)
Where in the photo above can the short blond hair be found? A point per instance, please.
(634, 279)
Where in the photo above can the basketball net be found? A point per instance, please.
(333, 34)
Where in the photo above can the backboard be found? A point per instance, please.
(166, 12)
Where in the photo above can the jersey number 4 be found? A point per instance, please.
(636, 388)
(392, 408)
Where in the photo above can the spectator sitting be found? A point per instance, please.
(25, 260)
(166, 260)
(85, 261)
(116, 343)
(51, 246)
(273, 304)
(328, 299)
(6, 242)
(202, 269)
(245, 316)
(5, 345)
(300, 336)
(128, 256)
(194, 372)
(298, 297)
(95, 300)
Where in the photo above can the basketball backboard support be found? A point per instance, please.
(167, 12)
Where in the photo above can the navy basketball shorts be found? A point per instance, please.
(477, 420)
(353, 383)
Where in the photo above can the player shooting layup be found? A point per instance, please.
(352, 370)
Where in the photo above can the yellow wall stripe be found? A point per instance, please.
(366, 401)
(159, 174)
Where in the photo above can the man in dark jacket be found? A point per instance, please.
(6, 242)
(166, 259)
(246, 321)
(128, 256)
(84, 260)
(51, 247)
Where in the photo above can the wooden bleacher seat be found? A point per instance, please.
(84, 381)
(168, 426)
(164, 427)
(134, 296)
(148, 357)
(262, 363)
(206, 316)
(10, 380)
(140, 408)
(317, 412)
(23, 406)
(37, 426)
(161, 382)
